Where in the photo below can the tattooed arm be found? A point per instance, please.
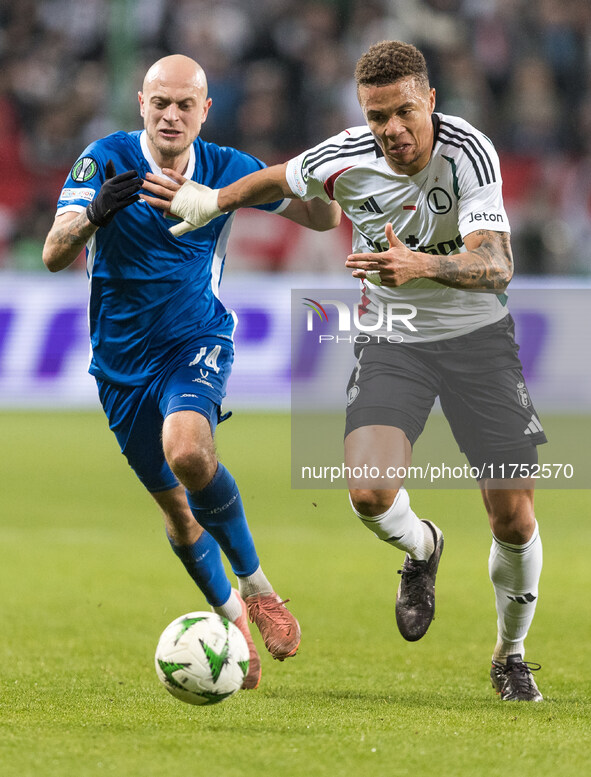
(487, 265)
(67, 237)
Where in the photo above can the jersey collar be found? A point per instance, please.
(435, 120)
(154, 167)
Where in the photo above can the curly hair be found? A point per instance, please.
(388, 61)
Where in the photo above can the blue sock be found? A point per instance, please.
(218, 508)
(203, 561)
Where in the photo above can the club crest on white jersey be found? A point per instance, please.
(458, 192)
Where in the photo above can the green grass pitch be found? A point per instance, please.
(88, 583)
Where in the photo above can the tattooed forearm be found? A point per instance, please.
(66, 239)
(75, 232)
(486, 267)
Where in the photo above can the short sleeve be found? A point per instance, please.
(480, 204)
(84, 180)
(303, 183)
(313, 173)
(483, 208)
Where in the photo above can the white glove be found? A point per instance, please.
(196, 204)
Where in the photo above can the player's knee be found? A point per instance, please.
(193, 464)
(512, 519)
(372, 502)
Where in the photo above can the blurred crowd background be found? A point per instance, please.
(281, 77)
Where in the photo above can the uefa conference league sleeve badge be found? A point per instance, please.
(84, 169)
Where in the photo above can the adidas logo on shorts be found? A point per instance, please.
(534, 426)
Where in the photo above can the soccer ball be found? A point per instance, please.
(202, 658)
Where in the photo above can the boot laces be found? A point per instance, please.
(519, 674)
(271, 608)
(412, 576)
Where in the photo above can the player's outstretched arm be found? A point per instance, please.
(314, 214)
(487, 265)
(258, 188)
(197, 205)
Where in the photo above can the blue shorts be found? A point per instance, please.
(195, 380)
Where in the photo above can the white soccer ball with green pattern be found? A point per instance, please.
(202, 658)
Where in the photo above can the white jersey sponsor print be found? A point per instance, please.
(458, 192)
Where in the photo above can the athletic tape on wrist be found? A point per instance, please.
(196, 204)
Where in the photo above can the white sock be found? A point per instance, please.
(515, 573)
(256, 583)
(399, 526)
(231, 609)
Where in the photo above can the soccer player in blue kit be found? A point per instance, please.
(162, 341)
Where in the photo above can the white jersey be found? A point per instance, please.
(458, 192)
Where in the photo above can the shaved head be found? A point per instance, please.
(174, 105)
(178, 70)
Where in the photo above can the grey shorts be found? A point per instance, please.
(478, 378)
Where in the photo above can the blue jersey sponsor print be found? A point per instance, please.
(151, 293)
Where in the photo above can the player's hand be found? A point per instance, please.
(393, 267)
(165, 191)
(196, 204)
(163, 188)
(116, 193)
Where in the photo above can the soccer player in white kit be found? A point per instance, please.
(424, 193)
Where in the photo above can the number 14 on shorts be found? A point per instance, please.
(211, 358)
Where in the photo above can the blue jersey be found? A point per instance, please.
(151, 293)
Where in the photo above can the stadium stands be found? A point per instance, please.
(280, 74)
